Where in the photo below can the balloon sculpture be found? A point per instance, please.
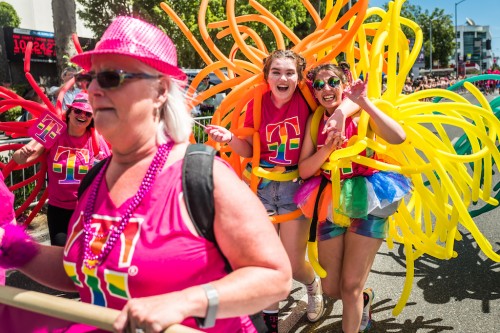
(445, 181)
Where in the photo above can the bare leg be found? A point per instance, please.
(331, 253)
(359, 254)
(294, 235)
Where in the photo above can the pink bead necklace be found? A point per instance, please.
(92, 260)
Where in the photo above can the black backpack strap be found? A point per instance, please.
(89, 177)
(314, 221)
(198, 188)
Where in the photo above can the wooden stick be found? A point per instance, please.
(199, 124)
(68, 309)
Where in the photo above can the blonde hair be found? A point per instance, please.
(176, 122)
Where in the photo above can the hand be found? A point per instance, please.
(357, 90)
(151, 314)
(219, 133)
(27, 151)
(334, 140)
(335, 124)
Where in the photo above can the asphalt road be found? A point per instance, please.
(459, 295)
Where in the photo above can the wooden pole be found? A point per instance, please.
(68, 309)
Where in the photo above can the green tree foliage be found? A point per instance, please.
(443, 44)
(8, 16)
(97, 15)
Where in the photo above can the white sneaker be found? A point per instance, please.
(315, 305)
(366, 318)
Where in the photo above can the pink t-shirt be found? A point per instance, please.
(156, 253)
(281, 130)
(354, 169)
(68, 160)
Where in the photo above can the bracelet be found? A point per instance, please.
(213, 305)
(231, 137)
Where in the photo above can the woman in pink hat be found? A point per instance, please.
(131, 244)
(68, 160)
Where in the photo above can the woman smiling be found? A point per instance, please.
(69, 159)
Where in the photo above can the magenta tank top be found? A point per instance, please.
(354, 169)
(156, 253)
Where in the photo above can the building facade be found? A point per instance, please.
(37, 15)
(474, 45)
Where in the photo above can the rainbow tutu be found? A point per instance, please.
(359, 196)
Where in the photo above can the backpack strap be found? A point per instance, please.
(314, 221)
(89, 177)
(198, 188)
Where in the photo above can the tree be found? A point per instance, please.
(442, 43)
(64, 16)
(8, 16)
(409, 11)
(98, 14)
(442, 31)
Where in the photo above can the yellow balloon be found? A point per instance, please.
(445, 183)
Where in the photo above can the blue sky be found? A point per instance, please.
(482, 12)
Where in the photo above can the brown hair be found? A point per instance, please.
(300, 62)
(342, 70)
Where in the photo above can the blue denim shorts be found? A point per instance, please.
(277, 197)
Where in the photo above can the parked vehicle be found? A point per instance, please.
(209, 105)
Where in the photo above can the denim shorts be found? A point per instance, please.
(277, 197)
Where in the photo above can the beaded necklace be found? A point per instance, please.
(92, 260)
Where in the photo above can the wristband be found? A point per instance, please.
(212, 306)
(231, 137)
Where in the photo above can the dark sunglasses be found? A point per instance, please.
(83, 77)
(113, 79)
(78, 111)
(333, 82)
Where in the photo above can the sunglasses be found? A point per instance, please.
(83, 77)
(333, 82)
(114, 79)
(78, 112)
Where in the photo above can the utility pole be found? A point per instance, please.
(456, 44)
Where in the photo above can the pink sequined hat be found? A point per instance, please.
(81, 102)
(139, 40)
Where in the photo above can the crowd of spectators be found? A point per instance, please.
(444, 82)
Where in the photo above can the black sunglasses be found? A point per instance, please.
(86, 113)
(83, 77)
(333, 82)
(114, 78)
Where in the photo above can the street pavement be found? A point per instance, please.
(459, 295)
